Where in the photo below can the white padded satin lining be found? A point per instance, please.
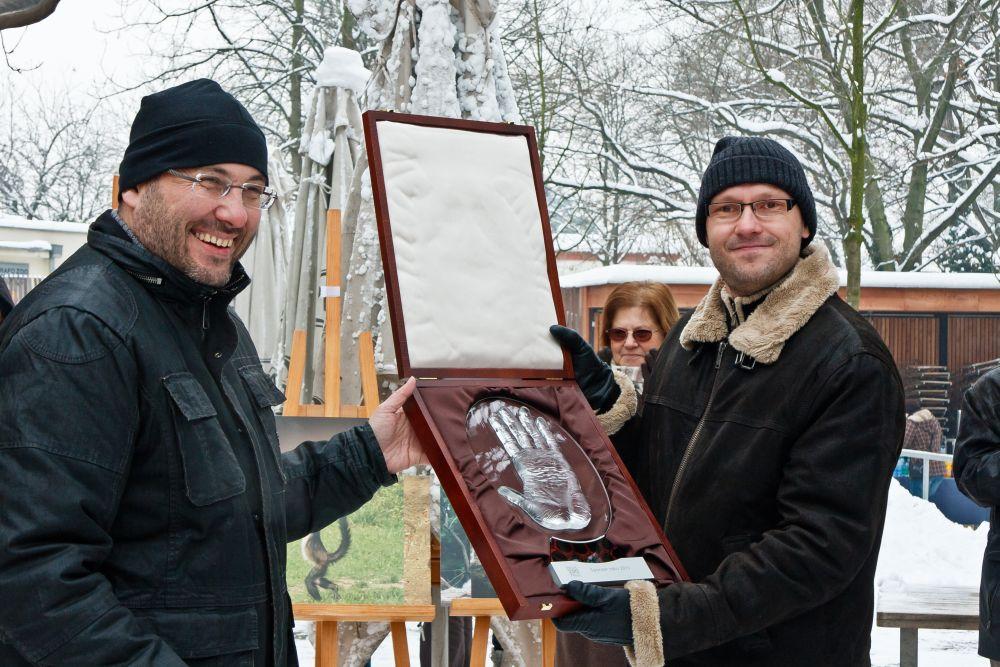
(467, 236)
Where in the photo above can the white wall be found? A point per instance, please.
(39, 233)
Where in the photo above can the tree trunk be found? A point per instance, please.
(880, 250)
(858, 154)
(347, 23)
(295, 88)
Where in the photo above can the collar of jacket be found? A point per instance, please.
(107, 237)
(785, 310)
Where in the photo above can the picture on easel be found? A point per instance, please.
(335, 565)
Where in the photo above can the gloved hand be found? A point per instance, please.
(608, 618)
(593, 375)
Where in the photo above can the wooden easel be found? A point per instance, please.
(481, 609)
(416, 589)
(331, 348)
(328, 616)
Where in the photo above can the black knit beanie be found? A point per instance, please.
(739, 160)
(191, 125)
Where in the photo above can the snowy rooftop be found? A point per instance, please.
(41, 246)
(701, 275)
(16, 222)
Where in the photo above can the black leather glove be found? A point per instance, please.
(593, 375)
(608, 618)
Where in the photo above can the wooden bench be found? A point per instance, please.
(931, 607)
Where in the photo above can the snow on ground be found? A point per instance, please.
(920, 547)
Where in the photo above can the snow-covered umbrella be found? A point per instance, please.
(330, 146)
(437, 58)
(261, 305)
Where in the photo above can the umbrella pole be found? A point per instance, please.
(114, 191)
(331, 350)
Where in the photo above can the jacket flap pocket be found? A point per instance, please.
(211, 471)
(189, 396)
(261, 386)
(202, 633)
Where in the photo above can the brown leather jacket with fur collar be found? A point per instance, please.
(766, 450)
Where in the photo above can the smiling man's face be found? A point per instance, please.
(752, 254)
(201, 236)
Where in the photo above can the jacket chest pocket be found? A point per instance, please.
(211, 472)
(265, 396)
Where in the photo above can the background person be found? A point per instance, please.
(977, 471)
(6, 300)
(637, 317)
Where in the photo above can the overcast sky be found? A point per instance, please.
(72, 48)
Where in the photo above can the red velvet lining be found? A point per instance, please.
(525, 544)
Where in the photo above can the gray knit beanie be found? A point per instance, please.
(739, 160)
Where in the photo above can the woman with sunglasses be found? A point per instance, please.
(637, 317)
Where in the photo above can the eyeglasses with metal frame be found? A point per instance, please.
(765, 209)
(641, 335)
(211, 186)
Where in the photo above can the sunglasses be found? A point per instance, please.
(640, 335)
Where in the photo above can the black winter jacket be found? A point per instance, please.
(6, 300)
(977, 472)
(766, 451)
(145, 504)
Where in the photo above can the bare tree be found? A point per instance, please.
(574, 83)
(262, 51)
(57, 154)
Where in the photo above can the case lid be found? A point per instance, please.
(466, 247)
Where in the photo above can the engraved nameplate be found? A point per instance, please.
(623, 569)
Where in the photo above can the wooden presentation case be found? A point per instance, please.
(514, 551)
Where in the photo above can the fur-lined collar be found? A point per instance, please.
(785, 310)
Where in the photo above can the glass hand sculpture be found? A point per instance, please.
(551, 494)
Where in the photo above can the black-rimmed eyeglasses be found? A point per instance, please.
(764, 209)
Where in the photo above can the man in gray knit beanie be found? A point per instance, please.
(756, 213)
(771, 423)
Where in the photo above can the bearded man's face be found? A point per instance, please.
(201, 236)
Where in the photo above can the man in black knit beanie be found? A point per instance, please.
(146, 505)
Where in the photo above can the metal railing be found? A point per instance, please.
(926, 456)
(20, 284)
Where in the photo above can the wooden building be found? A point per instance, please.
(939, 323)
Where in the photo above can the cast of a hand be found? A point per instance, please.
(551, 495)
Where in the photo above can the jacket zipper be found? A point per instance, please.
(694, 436)
(152, 280)
(204, 314)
